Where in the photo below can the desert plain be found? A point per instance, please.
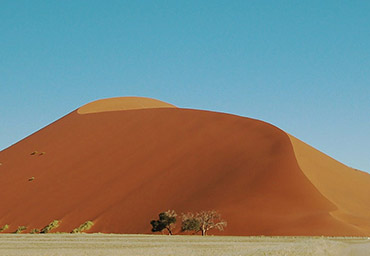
(156, 245)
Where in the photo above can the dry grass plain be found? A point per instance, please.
(135, 245)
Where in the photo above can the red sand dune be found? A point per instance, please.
(119, 164)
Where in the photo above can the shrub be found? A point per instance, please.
(3, 228)
(31, 179)
(54, 224)
(20, 229)
(34, 153)
(35, 231)
(83, 227)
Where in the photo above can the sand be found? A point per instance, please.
(141, 245)
(120, 168)
(348, 189)
(122, 103)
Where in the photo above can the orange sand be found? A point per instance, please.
(122, 103)
(121, 168)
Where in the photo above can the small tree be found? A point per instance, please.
(202, 221)
(210, 220)
(166, 221)
(190, 223)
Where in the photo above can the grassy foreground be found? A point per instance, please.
(135, 245)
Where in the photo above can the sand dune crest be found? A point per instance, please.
(122, 103)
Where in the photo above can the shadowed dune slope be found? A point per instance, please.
(121, 168)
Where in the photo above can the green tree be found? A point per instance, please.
(190, 223)
(166, 221)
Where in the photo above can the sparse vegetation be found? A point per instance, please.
(202, 221)
(199, 222)
(166, 221)
(190, 223)
(35, 231)
(20, 229)
(31, 179)
(36, 153)
(3, 228)
(83, 227)
(54, 224)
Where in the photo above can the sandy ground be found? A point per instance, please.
(103, 244)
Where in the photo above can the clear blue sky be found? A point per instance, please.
(303, 66)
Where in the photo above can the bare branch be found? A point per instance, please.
(202, 221)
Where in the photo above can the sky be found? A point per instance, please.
(303, 66)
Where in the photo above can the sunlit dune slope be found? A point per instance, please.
(347, 188)
(120, 168)
(122, 103)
